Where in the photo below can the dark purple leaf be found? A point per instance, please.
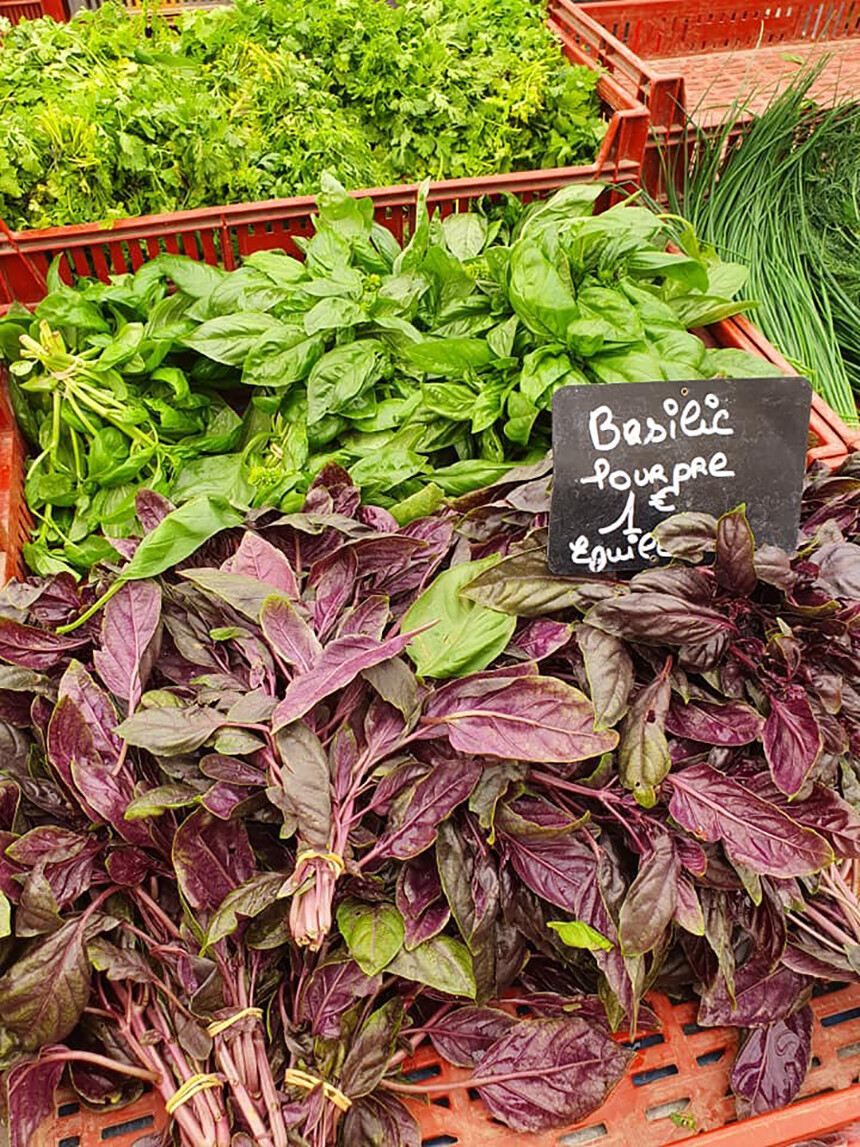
(231, 770)
(532, 719)
(44, 843)
(434, 798)
(839, 569)
(129, 624)
(643, 753)
(609, 668)
(370, 1050)
(211, 857)
(330, 990)
(291, 638)
(772, 1064)
(711, 723)
(549, 1073)
(333, 580)
(151, 509)
(555, 868)
(28, 1097)
(301, 787)
(463, 1036)
(380, 1119)
(341, 662)
(539, 639)
(792, 740)
(44, 993)
(368, 619)
(658, 619)
(652, 900)
(256, 558)
(420, 900)
(734, 564)
(34, 648)
(754, 832)
(761, 995)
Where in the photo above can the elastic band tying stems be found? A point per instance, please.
(218, 1026)
(304, 1079)
(189, 1089)
(332, 859)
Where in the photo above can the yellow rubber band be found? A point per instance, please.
(189, 1089)
(304, 1079)
(331, 859)
(218, 1026)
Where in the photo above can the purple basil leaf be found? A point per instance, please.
(792, 740)
(330, 990)
(44, 843)
(341, 662)
(43, 994)
(688, 535)
(231, 770)
(420, 900)
(151, 509)
(531, 719)
(754, 832)
(288, 636)
(382, 1120)
(609, 668)
(211, 858)
(772, 1064)
(549, 1073)
(643, 752)
(28, 1097)
(463, 1036)
(242, 593)
(129, 624)
(368, 619)
(34, 648)
(333, 580)
(652, 900)
(712, 723)
(679, 581)
(539, 639)
(839, 570)
(433, 799)
(761, 995)
(658, 619)
(301, 787)
(734, 564)
(370, 1049)
(555, 869)
(170, 731)
(259, 559)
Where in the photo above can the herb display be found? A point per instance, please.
(783, 199)
(425, 372)
(323, 786)
(114, 115)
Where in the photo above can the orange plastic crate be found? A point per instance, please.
(698, 58)
(222, 235)
(721, 48)
(16, 10)
(681, 1070)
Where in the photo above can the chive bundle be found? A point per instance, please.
(783, 197)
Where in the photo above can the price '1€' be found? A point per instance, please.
(627, 456)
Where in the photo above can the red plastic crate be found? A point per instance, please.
(222, 235)
(16, 10)
(698, 57)
(681, 1070)
(722, 47)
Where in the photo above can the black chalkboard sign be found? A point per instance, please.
(627, 456)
